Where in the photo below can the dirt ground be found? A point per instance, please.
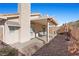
(56, 47)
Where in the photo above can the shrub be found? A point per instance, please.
(8, 51)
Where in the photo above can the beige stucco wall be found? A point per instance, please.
(10, 36)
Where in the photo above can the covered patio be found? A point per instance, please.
(43, 27)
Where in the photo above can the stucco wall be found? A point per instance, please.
(10, 36)
(24, 11)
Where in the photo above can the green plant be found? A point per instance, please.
(8, 51)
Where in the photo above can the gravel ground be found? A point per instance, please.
(56, 47)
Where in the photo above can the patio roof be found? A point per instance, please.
(8, 16)
(44, 19)
(38, 24)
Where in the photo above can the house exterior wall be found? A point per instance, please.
(10, 36)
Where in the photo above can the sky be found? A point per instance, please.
(62, 12)
(8, 8)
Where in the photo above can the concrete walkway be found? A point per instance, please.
(30, 47)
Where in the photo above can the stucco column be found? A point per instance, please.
(47, 31)
(24, 12)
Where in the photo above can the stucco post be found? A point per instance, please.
(47, 31)
(24, 12)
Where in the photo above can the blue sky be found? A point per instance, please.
(8, 8)
(61, 12)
